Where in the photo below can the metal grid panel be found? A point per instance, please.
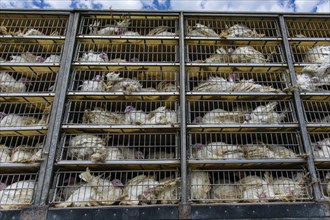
(122, 113)
(317, 112)
(241, 112)
(17, 190)
(119, 147)
(29, 82)
(21, 149)
(304, 53)
(122, 53)
(234, 26)
(324, 177)
(104, 188)
(321, 145)
(245, 146)
(302, 27)
(33, 25)
(249, 186)
(129, 81)
(15, 114)
(35, 53)
(129, 25)
(209, 81)
(252, 54)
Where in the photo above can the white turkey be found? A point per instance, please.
(321, 149)
(289, 189)
(247, 54)
(281, 151)
(118, 29)
(239, 30)
(221, 56)
(216, 84)
(216, 151)
(256, 189)
(256, 151)
(37, 156)
(4, 154)
(161, 31)
(326, 185)
(113, 153)
(318, 54)
(220, 116)
(265, 115)
(317, 70)
(161, 155)
(14, 120)
(26, 58)
(130, 153)
(200, 30)
(94, 57)
(307, 83)
(251, 86)
(10, 84)
(96, 84)
(141, 189)
(53, 59)
(101, 117)
(31, 32)
(17, 195)
(200, 186)
(162, 116)
(225, 191)
(126, 85)
(134, 116)
(169, 190)
(165, 87)
(325, 119)
(96, 191)
(22, 154)
(87, 147)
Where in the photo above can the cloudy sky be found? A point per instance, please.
(214, 5)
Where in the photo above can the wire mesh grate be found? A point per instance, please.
(320, 143)
(20, 82)
(16, 190)
(15, 114)
(241, 112)
(21, 149)
(253, 54)
(316, 54)
(316, 112)
(124, 81)
(308, 27)
(249, 186)
(209, 81)
(30, 53)
(122, 113)
(161, 26)
(324, 177)
(245, 146)
(104, 188)
(34, 26)
(126, 52)
(119, 147)
(232, 27)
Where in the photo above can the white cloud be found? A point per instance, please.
(124, 4)
(17, 4)
(63, 4)
(324, 7)
(305, 6)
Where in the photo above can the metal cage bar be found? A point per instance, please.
(232, 27)
(324, 177)
(17, 190)
(128, 25)
(106, 147)
(305, 53)
(71, 189)
(308, 27)
(316, 112)
(21, 149)
(33, 26)
(245, 146)
(34, 53)
(249, 186)
(27, 82)
(320, 143)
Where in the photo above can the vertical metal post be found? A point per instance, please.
(300, 113)
(184, 207)
(46, 169)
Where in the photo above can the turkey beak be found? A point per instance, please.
(247, 117)
(317, 147)
(2, 115)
